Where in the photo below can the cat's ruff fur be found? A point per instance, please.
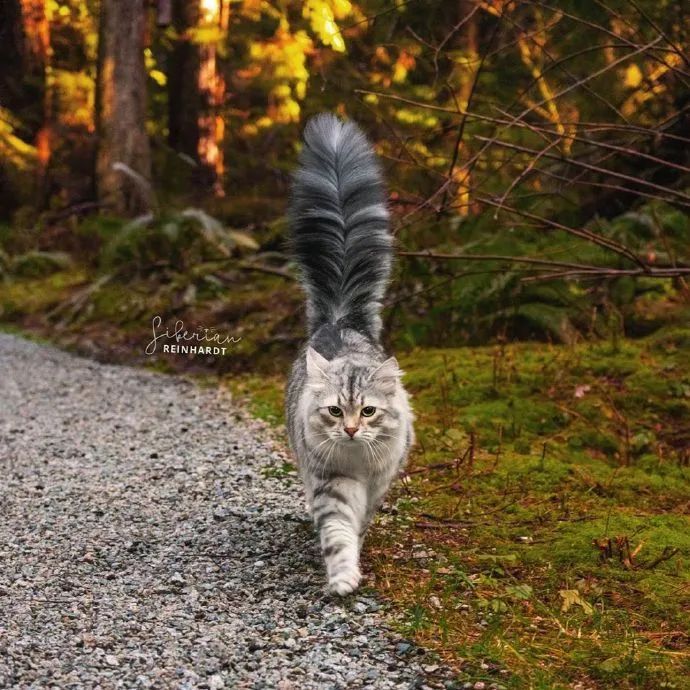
(342, 244)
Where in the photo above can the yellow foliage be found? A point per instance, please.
(283, 61)
(341, 8)
(653, 74)
(12, 148)
(158, 76)
(281, 91)
(403, 65)
(416, 117)
(633, 76)
(322, 15)
(77, 92)
(205, 35)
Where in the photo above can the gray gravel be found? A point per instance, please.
(146, 541)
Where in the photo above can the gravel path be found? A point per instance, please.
(146, 541)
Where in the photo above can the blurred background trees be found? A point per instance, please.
(548, 140)
(123, 167)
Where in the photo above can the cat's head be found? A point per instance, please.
(354, 400)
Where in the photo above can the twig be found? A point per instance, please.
(668, 553)
(440, 256)
(260, 268)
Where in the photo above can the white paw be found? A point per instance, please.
(345, 582)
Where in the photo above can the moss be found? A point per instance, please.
(115, 315)
(19, 298)
(550, 452)
(264, 394)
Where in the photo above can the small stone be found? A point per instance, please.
(403, 648)
(301, 611)
(111, 660)
(216, 682)
(176, 579)
(479, 685)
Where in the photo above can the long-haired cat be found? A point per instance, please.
(348, 415)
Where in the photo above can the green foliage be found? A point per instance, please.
(464, 302)
(35, 264)
(175, 241)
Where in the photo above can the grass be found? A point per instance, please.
(541, 535)
(543, 527)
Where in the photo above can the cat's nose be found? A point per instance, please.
(351, 430)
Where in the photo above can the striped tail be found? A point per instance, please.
(339, 227)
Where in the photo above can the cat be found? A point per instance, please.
(348, 415)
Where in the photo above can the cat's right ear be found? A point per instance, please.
(316, 364)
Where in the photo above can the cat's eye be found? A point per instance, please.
(368, 411)
(335, 411)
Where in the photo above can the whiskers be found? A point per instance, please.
(371, 452)
(319, 457)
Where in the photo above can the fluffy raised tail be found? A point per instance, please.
(339, 226)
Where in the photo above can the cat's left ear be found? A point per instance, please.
(316, 364)
(387, 374)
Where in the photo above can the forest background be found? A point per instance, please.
(538, 165)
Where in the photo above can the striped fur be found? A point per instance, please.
(338, 221)
(339, 227)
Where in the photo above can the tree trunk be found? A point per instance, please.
(184, 100)
(466, 41)
(212, 89)
(24, 89)
(14, 84)
(123, 166)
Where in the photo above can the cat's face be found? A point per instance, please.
(353, 403)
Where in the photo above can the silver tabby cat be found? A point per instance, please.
(348, 415)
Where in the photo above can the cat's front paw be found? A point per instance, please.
(345, 582)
